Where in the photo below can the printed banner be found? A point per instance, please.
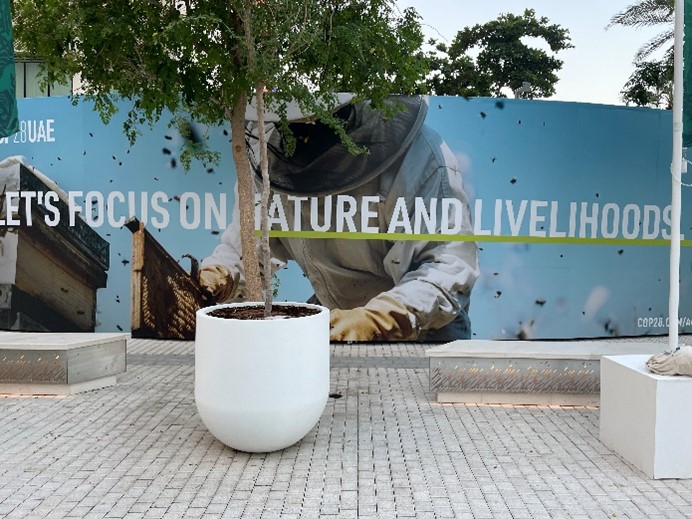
(483, 218)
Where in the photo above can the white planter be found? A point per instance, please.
(261, 385)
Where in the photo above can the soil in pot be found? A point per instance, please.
(257, 312)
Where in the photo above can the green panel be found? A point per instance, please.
(9, 119)
(687, 80)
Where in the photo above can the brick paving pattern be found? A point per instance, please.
(383, 449)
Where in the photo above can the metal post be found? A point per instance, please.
(676, 175)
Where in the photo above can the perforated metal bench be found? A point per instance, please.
(524, 372)
(60, 363)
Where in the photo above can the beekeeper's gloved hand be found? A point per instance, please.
(382, 318)
(217, 282)
(677, 363)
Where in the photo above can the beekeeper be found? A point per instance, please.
(377, 289)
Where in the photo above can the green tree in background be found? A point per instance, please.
(494, 59)
(209, 58)
(651, 83)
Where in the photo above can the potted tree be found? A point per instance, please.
(207, 60)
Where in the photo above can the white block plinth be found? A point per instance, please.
(647, 418)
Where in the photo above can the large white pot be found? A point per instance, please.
(261, 385)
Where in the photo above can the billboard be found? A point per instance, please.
(534, 219)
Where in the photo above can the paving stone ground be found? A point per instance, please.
(382, 449)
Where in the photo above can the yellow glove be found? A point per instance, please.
(384, 318)
(217, 282)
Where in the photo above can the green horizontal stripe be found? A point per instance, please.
(313, 235)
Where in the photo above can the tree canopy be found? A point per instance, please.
(651, 84)
(199, 56)
(208, 58)
(494, 59)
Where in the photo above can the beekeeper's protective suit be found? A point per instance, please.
(376, 289)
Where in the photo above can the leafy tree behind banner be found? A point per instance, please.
(9, 120)
(651, 84)
(492, 59)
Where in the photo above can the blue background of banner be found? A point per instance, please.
(508, 149)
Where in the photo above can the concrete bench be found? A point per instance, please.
(60, 363)
(524, 372)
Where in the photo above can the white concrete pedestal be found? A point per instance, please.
(647, 418)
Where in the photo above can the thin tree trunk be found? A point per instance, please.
(264, 207)
(264, 214)
(246, 200)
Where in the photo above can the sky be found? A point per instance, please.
(594, 71)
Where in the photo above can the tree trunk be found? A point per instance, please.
(246, 200)
(264, 207)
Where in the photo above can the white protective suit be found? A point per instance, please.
(431, 280)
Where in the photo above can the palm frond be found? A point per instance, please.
(654, 44)
(645, 13)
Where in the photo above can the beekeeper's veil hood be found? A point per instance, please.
(321, 165)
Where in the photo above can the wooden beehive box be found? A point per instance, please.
(165, 298)
(49, 274)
